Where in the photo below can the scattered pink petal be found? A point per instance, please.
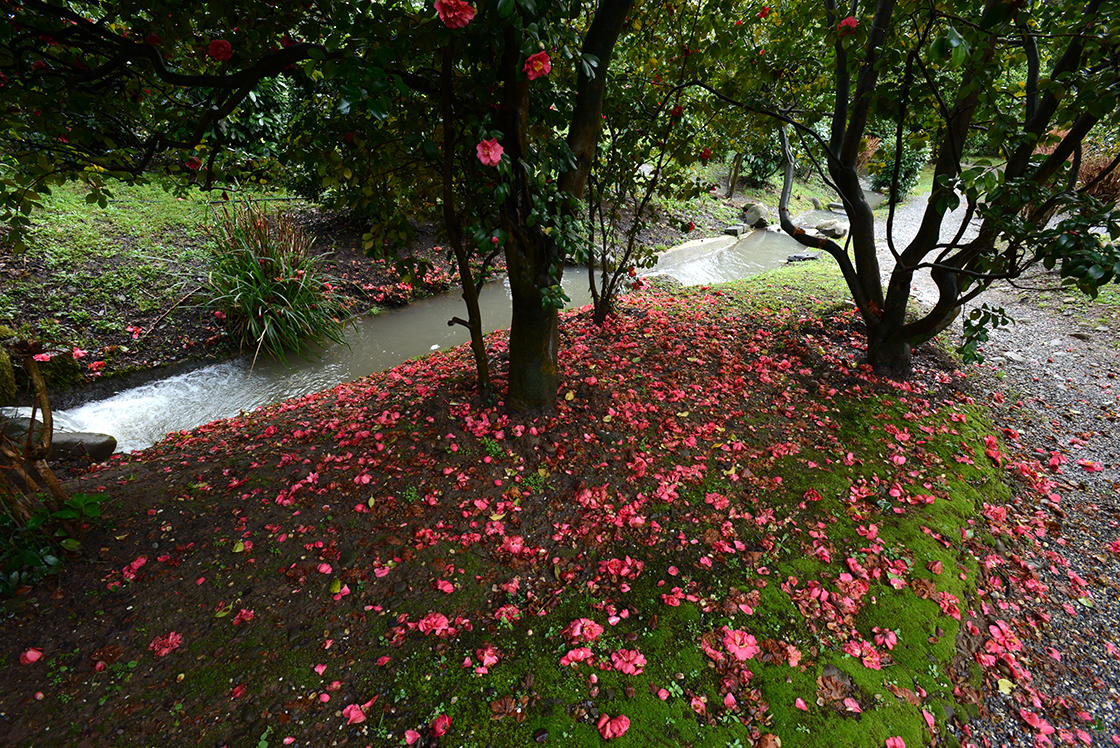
(320, 669)
(896, 742)
(411, 737)
(354, 714)
(800, 704)
(325, 568)
(31, 656)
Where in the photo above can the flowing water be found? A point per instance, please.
(141, 416)
(705, 261)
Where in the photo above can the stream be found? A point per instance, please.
(141, 416)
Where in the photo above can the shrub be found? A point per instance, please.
(761, 160)
(915, 155)
(268, 285)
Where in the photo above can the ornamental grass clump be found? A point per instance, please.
(267, 283)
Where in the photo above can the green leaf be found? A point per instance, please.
(376, 106)
(71, 544)
(505, 8)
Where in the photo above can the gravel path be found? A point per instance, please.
(1051, 383)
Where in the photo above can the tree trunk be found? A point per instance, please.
(733, 180)
(454, 230)
(534, 341)
(888, 352)
(531, 257)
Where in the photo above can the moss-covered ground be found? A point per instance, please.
(728, 533)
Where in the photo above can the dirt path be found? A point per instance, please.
(1050, 381)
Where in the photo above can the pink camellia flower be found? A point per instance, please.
(538, 65)
(489, 152)
(433, 623)
(440, 725)
(42, 357)
(896, 742)
(740, 644)
(165, 645)
(847, 26)
(582, 630)
(354, 714)
(885, 637)
(31, 656)
(78, 352)
(455, 14)
(220, 50)
(245, 616)
(613, 727)
(488, 655)
(628, 661)
(194, 163)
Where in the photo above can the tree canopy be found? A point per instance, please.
(492, 112)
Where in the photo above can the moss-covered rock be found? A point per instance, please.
(7, 371)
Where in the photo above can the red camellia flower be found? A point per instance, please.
(152, 39)
(220, 50)
(194, 163)
(676, 111)
(847, 26)
(538, 65)
(440, 725)
(764, 12)
(31, 656)
(705, 154)
(455, 14)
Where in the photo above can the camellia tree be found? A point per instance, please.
(1034, 84)
(98, 90)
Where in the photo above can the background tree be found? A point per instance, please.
(132, 89)
(927, 72)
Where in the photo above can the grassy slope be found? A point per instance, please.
(694, 437)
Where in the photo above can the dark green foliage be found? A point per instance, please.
(30, 552)
(761, 161)
(915, 155)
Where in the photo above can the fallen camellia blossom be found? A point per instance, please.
(165, 645)
(31, 656)
(440, 725)
(613, 727)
